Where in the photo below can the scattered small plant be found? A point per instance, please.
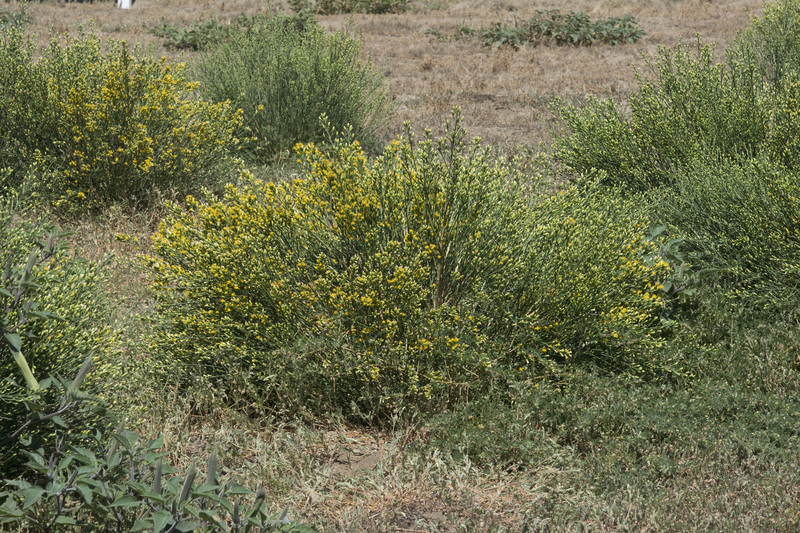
(464, 32)
(573, 28)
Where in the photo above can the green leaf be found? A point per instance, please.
(81, 376)
(185, 525)
(237, 490)
(64, 463)
(9, 509)
(126, 439)
(160, 520)
(15, 345)
(34, 457)
(125, 501)
(14, 341)
(86, 492)
(67, 520)
(31, 495)
(141, 525)
(156, 443)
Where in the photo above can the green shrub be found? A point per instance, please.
(742, 216)
(106, 127)
(691, 106)
(772, 42)
(285, 78)
(403, 285)
(53, 315)
(23, 108)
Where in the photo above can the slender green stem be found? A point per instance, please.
(26, 370)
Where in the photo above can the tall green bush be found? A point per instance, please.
(718, 143)
(690, 106)
(404, 285)
(285, 78)
(87, 128)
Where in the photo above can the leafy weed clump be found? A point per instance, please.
(209, 33)
(573, 28)
(337, 7)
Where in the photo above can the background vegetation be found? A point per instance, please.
(601, 336)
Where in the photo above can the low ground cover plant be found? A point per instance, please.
(83, 128)
(337, 7)
(285, 78)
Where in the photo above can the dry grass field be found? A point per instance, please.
(504, 93)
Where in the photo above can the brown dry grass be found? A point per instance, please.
(504, 94)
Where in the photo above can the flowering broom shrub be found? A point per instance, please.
(374, 288)
(108, 126)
